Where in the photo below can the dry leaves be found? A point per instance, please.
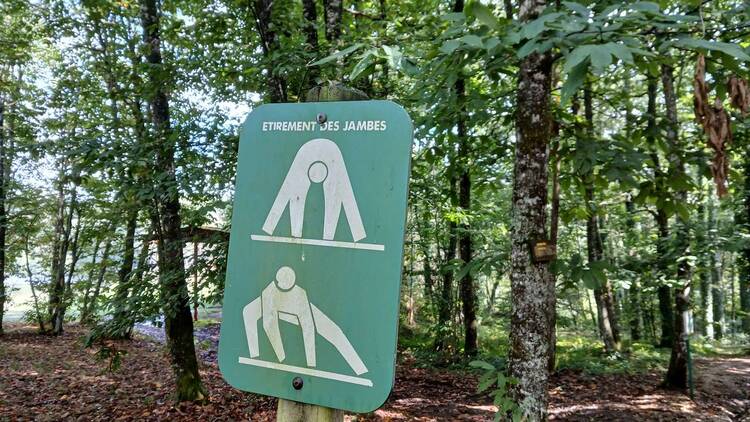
(715, 122)
(739, 94)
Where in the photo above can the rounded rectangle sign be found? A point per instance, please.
(311, 299)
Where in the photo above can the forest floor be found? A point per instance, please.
(49, 379)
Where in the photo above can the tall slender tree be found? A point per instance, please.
(166, 217)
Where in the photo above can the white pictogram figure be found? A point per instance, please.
(283, 300)
(317, 161)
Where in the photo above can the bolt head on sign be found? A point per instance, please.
(311, 299)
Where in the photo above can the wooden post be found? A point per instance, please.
(288, 410)
(292, 411)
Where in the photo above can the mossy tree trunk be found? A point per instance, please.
(532, 284)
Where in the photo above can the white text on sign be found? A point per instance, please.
(332, 126)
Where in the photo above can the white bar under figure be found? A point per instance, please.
(283, 300)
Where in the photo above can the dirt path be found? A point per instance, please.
(50, 379)
(722, 394)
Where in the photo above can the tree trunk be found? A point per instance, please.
(3, 216)
(90, 281)
(445, 304)
(89, 312)
(264, 22)
(607, 319)
(744, 273)
(662, 221)
(75, 254)
(334, 10)
(37, 312)
(177, 321)
(310, 13)
(532, 284)
(62, 229)
(122, 320)
(716, 293)
(634, 292)
(677, 372)
(467, 288)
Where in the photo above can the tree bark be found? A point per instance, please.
(467, 288)
(333, 10)
(445, 304)
(607, 319)
(677, 371)
(90, 281)
(3, 216)
(263, 14)
(177, 321)
(63, 228)
(634, 292)
(744, 273)
(532, 284)
(310, 13)
(715, 291)
(122, 319)
(664, 293)
(37, 312)
(88, 313)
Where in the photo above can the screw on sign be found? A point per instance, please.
(311, 301)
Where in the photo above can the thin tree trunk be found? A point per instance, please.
(121, 322)
(677, 371)
(63, 227)
(310, 13)
(3, 215)
(744, 271)
(532, 284)
(716, 294)
(90, 281)
(445, 305)
(607, 319)
(177, 321)
(75, 254)
(664, 293)
(30, 276)
(333, 10)
(467, 288)
(89, 313)
(264, 21)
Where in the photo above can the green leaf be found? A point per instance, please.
(621, 52)
(535, 27)
(590, 281)
(337, 55)
(483, 14)
(600, 57)
(578, 8)
(733, 50)
(573, 83)
(472, 40)
(394, 56)
(450, 46)
(527, 48)
(575, 57)
(363, 64)
(645, 6)
(486, 382)
(481, 365)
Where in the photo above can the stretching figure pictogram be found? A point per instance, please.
(317, 161)
(283, 300)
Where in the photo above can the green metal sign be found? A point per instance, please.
(311, 299)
